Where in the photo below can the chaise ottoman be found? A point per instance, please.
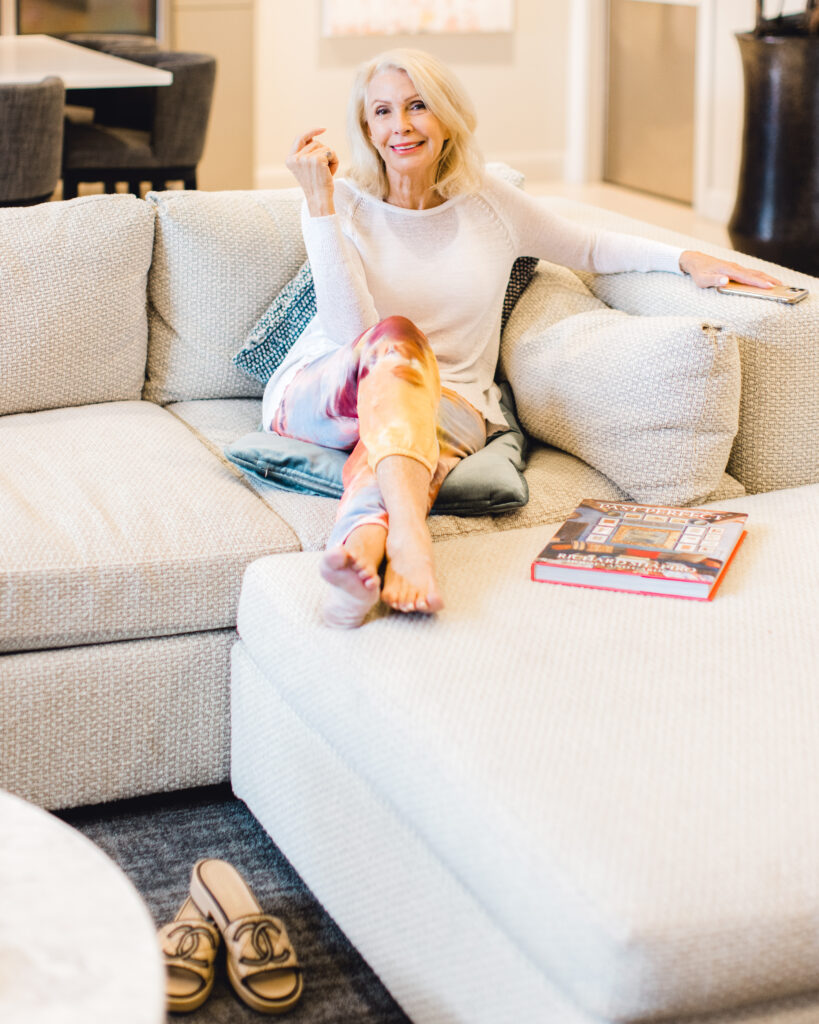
(552, 804)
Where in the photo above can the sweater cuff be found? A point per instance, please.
(669, 261)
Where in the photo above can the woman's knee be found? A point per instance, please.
(395, 337)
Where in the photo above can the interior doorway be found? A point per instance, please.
(651, 94)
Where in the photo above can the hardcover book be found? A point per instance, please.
(645, 549)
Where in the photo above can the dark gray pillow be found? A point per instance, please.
(488, 482)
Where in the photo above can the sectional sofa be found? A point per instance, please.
(125, 534)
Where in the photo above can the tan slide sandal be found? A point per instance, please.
(189, 944)
(261, 963)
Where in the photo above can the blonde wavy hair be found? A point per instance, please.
(460, 165)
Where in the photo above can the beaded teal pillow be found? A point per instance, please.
(295, 306)
(280, 325)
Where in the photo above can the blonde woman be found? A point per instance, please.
(411, 255)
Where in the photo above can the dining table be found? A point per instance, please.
(31, 58)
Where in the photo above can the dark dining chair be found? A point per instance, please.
(120, 44)
(153, 135)
(31, 139)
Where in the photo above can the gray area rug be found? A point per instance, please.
(156, 841)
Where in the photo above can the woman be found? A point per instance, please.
(411, 256)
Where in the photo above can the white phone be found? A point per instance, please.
(777, 293)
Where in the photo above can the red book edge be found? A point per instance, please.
(650, 593)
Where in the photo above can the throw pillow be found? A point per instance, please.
(72, 302)
(295, 306)
(279, 327)
(651, 402)
(490, 481)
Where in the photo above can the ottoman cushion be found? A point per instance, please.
(626, 784)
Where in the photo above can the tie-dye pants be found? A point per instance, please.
(380, 396)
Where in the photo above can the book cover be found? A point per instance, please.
(648, 549)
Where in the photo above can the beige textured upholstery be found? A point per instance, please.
(777, 346)
(623, 788)
(118, 523)
(557, 481)
(219, 260)
(651, 402)
(72, 302)
(104, 722)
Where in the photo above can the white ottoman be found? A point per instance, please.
(552, 804)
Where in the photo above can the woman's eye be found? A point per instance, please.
(381, 110)
(419, 105)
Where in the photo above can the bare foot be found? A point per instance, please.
(351, 569)
(355, 588)
(409, 581)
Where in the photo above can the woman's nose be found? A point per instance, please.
(401, 123)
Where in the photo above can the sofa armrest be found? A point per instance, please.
(779, 411)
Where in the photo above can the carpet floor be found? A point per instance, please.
(156, 841)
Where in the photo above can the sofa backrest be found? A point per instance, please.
(219, 260)
(73, 324)
(775, 445)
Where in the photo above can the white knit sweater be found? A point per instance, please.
(446, 269)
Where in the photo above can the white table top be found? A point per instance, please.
(77, 944)
(33, 58)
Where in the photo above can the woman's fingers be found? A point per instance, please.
(313, 164)
(307, 147)
(709, 272)
(746, 275)
(304, 140)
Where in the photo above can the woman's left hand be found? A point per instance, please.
(709, 272)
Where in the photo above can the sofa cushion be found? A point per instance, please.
(556, 481)
(117, 523)
(72, 302)
(777, 349)
(651, 402)
(218, 258)
(625, 785)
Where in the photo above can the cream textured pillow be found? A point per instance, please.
(218, 258)
(72, 302)
(651, 402)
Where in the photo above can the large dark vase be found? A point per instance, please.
(776, 216)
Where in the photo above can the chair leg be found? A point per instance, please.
(70, 185)
(135, 187)
(190, 181)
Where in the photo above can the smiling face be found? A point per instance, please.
(408, 136)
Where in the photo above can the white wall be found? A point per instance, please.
(518, 82)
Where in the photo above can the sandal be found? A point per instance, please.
(189, 944)
(261, 963)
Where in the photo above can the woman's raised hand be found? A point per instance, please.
(709, 272)
(313, 164)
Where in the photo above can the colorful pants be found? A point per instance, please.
(380, 396)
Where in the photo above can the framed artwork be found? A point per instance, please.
(391, 17)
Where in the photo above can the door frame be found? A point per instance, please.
(587, 88)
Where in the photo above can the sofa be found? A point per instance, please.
(127, 533)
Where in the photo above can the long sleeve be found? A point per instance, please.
(545, 234)
(345, 306)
